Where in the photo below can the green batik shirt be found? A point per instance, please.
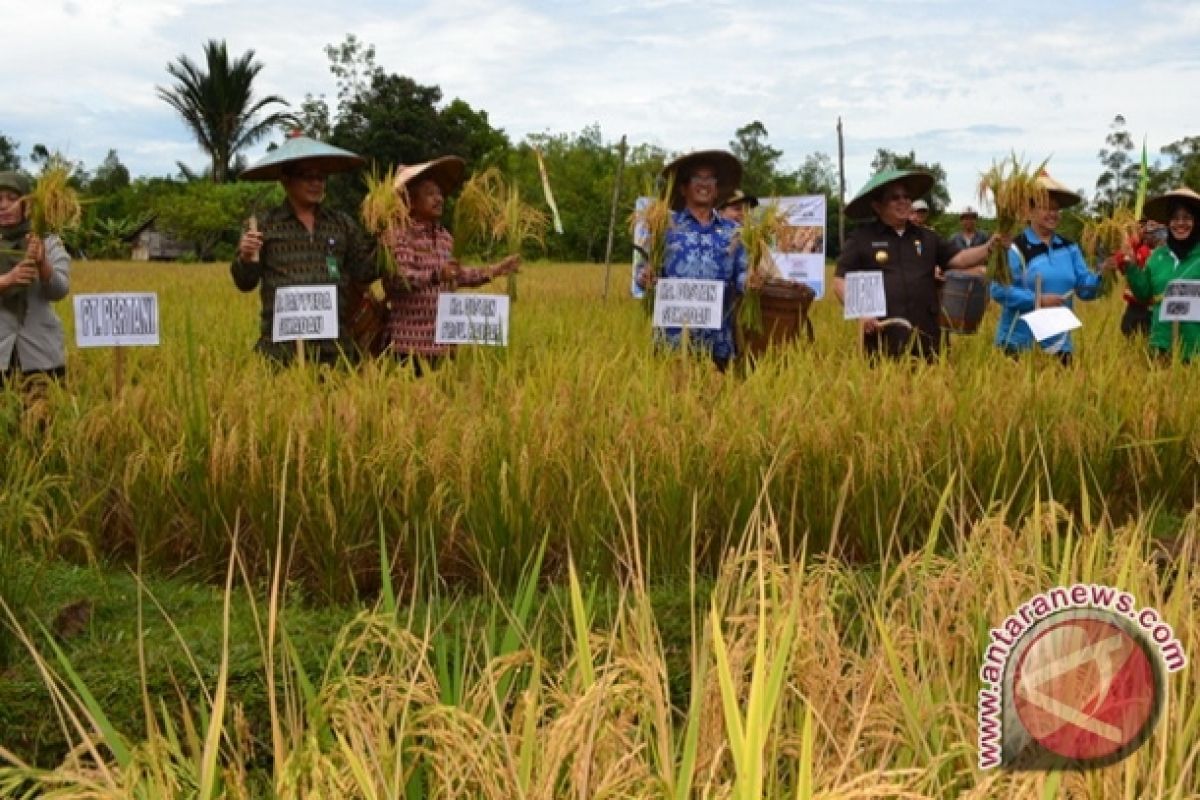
(335, 252)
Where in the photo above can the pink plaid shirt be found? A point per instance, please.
(412, 293)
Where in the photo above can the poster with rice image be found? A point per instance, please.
(688, 303)
(116, 320)
(640, 235)
(1181, 302)
(865, 298)
(800, 250)
(472, 319)
(305, 313)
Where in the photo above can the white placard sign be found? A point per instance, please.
(116, 320)
(1181, 302)
(865, 297)
(800, 251)
(305, 312)
(1046, 323)
(688, 303)
(472, 319)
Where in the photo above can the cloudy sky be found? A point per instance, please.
(956, 81)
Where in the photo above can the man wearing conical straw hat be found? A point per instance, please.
(911, 258)
(1048, 271)
(701, 244)
(1178, 258)
(302, 242)
(425, 266)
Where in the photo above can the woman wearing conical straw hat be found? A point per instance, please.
(1048, 271)
(425, 265)
(303, 242)
(34, 272)
(911, 258)
(1176, 259)
(701, 244)
(736, 206)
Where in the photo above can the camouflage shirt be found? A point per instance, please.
(336, 251)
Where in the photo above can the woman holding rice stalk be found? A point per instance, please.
(34, 273)
(700, 244)
(424, 265)
(1177, 259)
(1047, 271)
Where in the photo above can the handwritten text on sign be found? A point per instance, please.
(688, 303)
(865, 297)
(1181, 301)
(472, 319)
(116, 320)
(305, 312)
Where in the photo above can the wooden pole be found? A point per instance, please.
(841, 187)
(118, 371)
(1037, 292)
(252, 227)
(612, 216)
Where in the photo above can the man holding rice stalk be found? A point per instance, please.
(34, 273)
(302, 242)
(693, 241)
(1045, 269)
(911, 258)
(423, 262)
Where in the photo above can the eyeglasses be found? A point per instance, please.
(1182, 215)
(703, 180)
(896, 197)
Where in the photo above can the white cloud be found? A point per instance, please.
(958, 83)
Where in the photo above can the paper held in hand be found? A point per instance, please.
(688, 303)
(472, 319)
(1047, 323)
(116, 320)
(865, 298)
(1181, 302)
(305, 313)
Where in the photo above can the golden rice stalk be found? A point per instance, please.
(1012, 188)
(478, 206)
(53, 205)
(655, 220)
(385, 215)
(1107, 236)
(517, 224)
(758, 234)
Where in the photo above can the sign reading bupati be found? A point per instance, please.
(1181, 302)
(472, 319)
(688, 303)
(800, 251)
(864, 295)
(305, 312)
(116, 320)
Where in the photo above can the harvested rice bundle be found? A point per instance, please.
(384, 214)
(53, 206)
(758, 234)
(1110, 235)
(1014, 189)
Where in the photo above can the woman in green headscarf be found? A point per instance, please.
(34, 273)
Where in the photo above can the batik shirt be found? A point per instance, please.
(420, 252)
(709, 251)
(335, 251)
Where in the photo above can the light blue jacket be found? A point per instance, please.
(1062, 270)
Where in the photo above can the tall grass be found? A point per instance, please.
(830, 681)
(502, 451)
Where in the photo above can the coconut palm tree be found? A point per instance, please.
(218, 104)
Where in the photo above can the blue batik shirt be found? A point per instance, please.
(709, 252)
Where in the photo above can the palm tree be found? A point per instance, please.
(219, 106)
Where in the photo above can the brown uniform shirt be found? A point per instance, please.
(336, 251)
(907, 261)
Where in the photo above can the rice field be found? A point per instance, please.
(865, 525)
